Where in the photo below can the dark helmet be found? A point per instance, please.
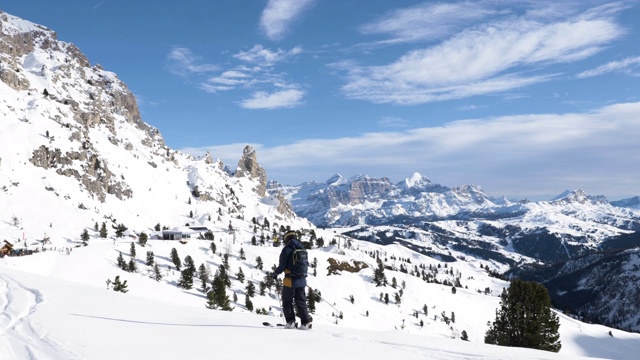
(289, 235)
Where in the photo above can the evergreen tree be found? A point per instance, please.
(378, 274)
(132, 267)
(240, 275)
(186, 279)
(176, 259)
(464, 336)
(219, 293)
(242, 254)
(525, 319)
(84, 236)
(120, 229)
(189, 264)
(157, 227)
(213, 248)
(259, 263)
(203, 275)
(248, 304)
(95, 226)
(132, 251)
(386, 298)
(119, 286)
(311, 301)
(211, 300)
(121, 263)
(143, 238)
(250, 289)
(103, 230)
(157, 276)
(150, 258)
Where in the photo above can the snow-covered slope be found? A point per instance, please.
(57, 306)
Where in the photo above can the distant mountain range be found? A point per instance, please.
(541, 240)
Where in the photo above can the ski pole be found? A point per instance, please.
(323, 299)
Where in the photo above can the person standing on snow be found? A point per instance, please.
(294, 282)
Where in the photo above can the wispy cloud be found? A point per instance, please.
(626, 65)
(391, 121)
(281, 99)
(266, 57)
(254, 70)
(278, 16)
(488, 58)
(426, 21)
(526, 155)
(182, 62)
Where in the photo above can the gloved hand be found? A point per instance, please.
(274, 276)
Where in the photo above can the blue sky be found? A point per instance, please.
(523, 98)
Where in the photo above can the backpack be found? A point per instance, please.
(300, 263)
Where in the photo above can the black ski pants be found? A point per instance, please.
(289, 295)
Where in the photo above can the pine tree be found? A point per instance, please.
(142, 239)
(157, 276)
(132, 250)
(150, 258)
(132, 267)
(525, 319)
(119, 286)
(203, 275)
(311, 301)
(240, 275)
(219, 293)
(120, 229)
(378, 274)
(213, 248)
(84, 236)
(121, 263)
(250, 289)
(242, 254)
(259, 263)
(176, 259)
(103, 230)
(189, 264)
(186, 279)
(247, 303)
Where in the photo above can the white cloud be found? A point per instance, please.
(391, 121)
(281, 99)
(279, 14)
(426, 21)
(614, 66)
(525, 155)
(265, 57)
(183, 62)
(480, 60)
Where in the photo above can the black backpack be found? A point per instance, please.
(300, 263)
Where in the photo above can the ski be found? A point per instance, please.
(268, 324)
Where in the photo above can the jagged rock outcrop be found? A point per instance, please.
(248, 167)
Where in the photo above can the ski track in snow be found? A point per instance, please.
(18, 332)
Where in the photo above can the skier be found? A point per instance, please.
(294, 282)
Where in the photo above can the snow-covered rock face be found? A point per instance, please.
(73, 145)
(548, 231)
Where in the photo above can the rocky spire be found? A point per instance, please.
(248, 167)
